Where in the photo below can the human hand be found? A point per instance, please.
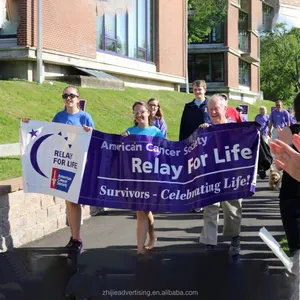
(86, 128)
(286, 158)
(204, 125)
(25, 120)
(296, 141)
(126, 133)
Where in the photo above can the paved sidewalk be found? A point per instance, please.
(178, 262)
(117, 229)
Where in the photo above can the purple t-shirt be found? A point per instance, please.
(161, 124)
(263, 121)
(279, 118)
(293, 120)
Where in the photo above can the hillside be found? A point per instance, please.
(111, 110)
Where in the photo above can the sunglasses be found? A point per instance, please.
(139, 112)
(66, 96)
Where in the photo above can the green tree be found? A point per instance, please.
(280, 57)
(205, 16)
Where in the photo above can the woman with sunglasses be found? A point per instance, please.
(73, 115)
(157, 115)
(145, 219)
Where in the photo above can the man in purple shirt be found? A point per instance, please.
(278, 118)
(263, 119)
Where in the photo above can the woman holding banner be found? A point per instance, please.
(145, 220)
(157, 115)
(73, 115)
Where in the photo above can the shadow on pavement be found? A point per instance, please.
(180, 269)
(189, 271)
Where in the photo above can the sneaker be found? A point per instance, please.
(235, 246)
(75, 248)
(69, 243)
(209, 248)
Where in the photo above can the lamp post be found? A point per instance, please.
(39, 54)
(187, 87)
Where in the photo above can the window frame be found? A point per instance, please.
(243, 32)
(138, 49)
(241, 74)
(13, 35)
(267, 15)
(210, 55)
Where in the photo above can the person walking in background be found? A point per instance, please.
(143, 126)
(279, 118)
(263, 119)
(239, 109)
(231, 112)
(73, 115)
(232, 210)
(195, 112)
(290, 188)
(157, 115)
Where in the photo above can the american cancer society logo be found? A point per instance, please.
(60, 179)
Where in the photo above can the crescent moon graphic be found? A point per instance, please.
(33, 153)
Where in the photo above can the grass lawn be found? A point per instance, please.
(284, 245)
(110, 110)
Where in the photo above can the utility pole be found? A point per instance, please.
(39, 54)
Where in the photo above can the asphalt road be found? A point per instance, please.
(109, 267)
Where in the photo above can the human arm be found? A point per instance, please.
(88, 123)
(285, 136)
(163, 128)
(183, 125)
(286, 158)
(270, 125)
(288, 119)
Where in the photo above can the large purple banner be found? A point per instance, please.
(149, 173)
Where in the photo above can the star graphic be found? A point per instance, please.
(33, 132)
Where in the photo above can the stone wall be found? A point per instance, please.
(27, 217)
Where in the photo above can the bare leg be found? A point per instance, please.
(74, 218)
(152, 236)
(141, 230)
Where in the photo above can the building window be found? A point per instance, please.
(216, 35)
(129, 32)
(243, 32)
(244, 4)
(9, 18)
(244, 73)
(209, 67)
(268, 15)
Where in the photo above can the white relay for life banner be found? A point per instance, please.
(53, 158)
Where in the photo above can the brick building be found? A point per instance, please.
(141, 42)
(229, 59)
